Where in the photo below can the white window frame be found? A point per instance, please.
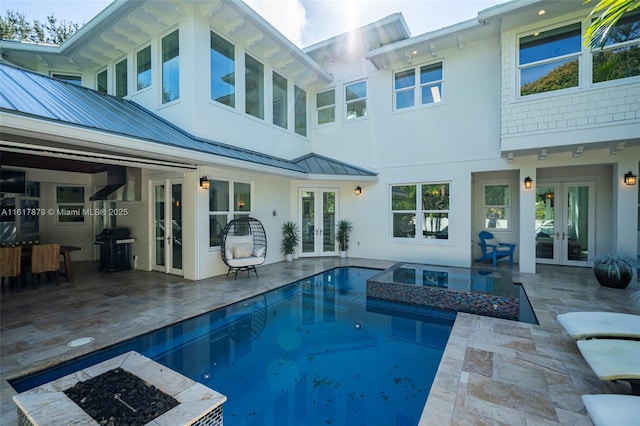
(61, 218)
(162, 71)
(507, 207)
(106, 71)
(348, 102)
(519, 67)
(417, 87)
(62, 75)
(613, 47)
(284, 101)
(232, 212)
(326, 107)
(296, 117)
(419, 212)
(135, 70)
(412, 88)
(115, 76)
(421, 85)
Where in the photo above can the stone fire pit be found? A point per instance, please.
(48, 403)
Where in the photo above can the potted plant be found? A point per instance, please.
(613, 270)
(290, 239)
(344, 228)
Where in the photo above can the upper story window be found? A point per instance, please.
(280, 98)
(326, 106)
(73, 79)
(143, 68)
(356, 100)
(254, 87)
(101, 81)
(121, 79)
(300, 109)
(550, 60)
(171, 67)
(223, 71)
(428, 91)
(620, 55)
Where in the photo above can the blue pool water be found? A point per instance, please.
(315, 352)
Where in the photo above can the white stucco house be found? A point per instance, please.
(438, 131)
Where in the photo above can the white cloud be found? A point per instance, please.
(287, 16)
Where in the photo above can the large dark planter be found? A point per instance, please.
(618, 276)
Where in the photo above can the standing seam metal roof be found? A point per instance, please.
(28, 93)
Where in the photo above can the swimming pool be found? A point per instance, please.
(314, 352)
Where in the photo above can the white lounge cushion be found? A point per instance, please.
(496, 244)
(247, 261)
(612, 359)
(242, 250)
(259, 251)
(613, 410)
(581, 325)
(235, 239)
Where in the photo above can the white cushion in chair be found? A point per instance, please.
(498, 247)
(236, 239)
(242, 250)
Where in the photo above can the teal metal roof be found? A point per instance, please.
(28, 93)
(320, 165)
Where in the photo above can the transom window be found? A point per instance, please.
(550, 60)
(620, 55)
(171, 67)
(428, 91)
(223, 71)
(228, 200)
(326, 106)
(496, 207)
(356, 100)
(73, 79)
(420, 211)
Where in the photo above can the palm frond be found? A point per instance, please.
(604, 17)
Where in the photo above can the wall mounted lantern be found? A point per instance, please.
(528, 183)
(630, 178)
(204, 183)
(358, 190)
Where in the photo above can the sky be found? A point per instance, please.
(304, 22)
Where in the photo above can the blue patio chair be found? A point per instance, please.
(493, 250)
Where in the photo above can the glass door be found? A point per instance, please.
(317, 218)
(565, 235)
(167, 220)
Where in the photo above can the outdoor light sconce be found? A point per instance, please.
(204, 183)
(528, 183)
(358, 190)
(630, 178)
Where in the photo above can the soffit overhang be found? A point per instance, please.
(126, 25)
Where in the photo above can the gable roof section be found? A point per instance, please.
(321, 165)
(45, 98)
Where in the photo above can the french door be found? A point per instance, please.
(317, 219)
(167, 226)
(565, 223)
